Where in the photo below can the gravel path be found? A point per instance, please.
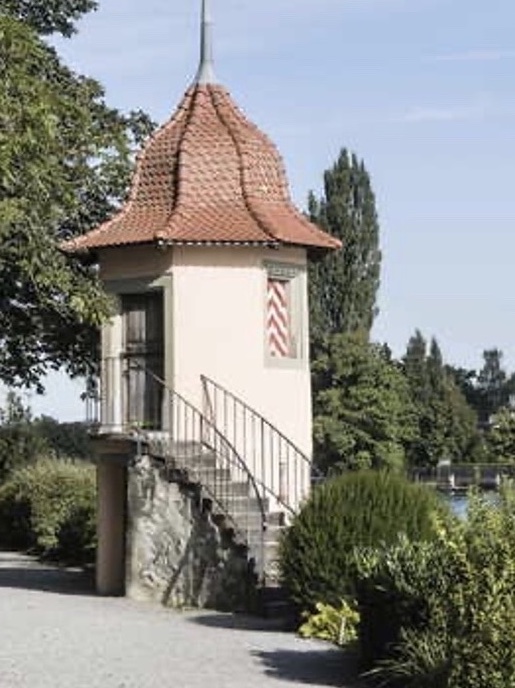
(55, 633)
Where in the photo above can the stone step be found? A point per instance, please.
(233, 490)
(237, 504)
(210, 473)
(274, 603)
(245, 514)
(267, 563)
(216, 479)
(254, 532)
(241, 504)
(272, 531)
(159, 444)
(276, 519)
(195, 461)
(271, 545)
(249, 526)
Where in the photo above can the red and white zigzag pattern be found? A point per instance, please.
(277, 319)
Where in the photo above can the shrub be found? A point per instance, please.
(392, 587)
(49, 507)
(338, 625)
(455, 603)
(349, 511)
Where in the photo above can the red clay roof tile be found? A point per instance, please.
(208, 176)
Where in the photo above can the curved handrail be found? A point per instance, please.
(237, 460)
(208, 381)
(235, 417)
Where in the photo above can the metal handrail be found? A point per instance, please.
(195, 445)
(278, 465)
(238, 462)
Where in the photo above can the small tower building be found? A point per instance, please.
(207, 266)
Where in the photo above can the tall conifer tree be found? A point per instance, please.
(492, 385)
(344, 283)
(446, 423)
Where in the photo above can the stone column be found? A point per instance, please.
(111, 519)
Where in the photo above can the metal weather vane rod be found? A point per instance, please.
(206, 72)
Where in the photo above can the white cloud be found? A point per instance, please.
(482, 107)
(442, 114)
(493, 55)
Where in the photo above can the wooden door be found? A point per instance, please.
(143, 358)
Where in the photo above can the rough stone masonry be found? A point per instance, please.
(177, 553)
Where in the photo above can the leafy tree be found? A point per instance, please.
(492, 385)
(344, 284)
(20, 443)
(363, 415)
(501, 437)
(465, 380)
(446, 424)
(49, 16)
(416, 369)
(65, 440)
(65, 161)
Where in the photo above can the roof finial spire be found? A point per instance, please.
(206, 73)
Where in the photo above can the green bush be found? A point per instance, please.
(392, 584)
(337, 625)
(49, 507)
(349, 511)
(454, 601)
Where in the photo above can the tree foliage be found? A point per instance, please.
(446, 425)
(493, 387)
(344, 284)
(49, 16)
(23, 438)
(465, 380)
(64, 440)
(448, 604)
(363, 416)
(50, 507)
(20, 443)
(65, 161)
(501, 437)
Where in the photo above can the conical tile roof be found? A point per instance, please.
(208, 176)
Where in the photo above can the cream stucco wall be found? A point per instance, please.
(134, 262)
(219, 297)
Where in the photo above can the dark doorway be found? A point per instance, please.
(143, 359)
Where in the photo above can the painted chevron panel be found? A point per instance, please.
(278, 327)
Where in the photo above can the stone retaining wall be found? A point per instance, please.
(176, 554)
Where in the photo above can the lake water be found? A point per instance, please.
(459, 501)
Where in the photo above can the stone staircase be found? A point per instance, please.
(233, 502)
(251, 476)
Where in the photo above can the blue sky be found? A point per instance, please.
(423, 90)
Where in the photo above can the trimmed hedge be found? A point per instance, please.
(49, 507)
(361, 509)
